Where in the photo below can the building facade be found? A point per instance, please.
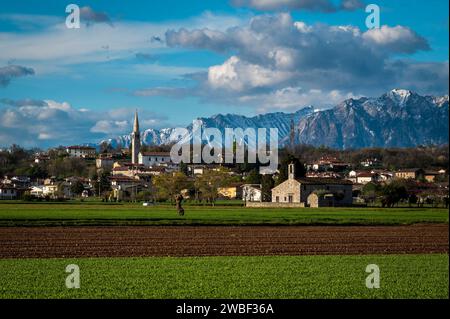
(154, 158)
(252, 193)
(298, 190)
(81, 151)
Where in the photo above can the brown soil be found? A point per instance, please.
(47, 242)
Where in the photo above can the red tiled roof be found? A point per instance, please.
(76, 147)
(164, 154)
(324, 181)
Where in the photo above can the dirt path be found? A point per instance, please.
(46, 242)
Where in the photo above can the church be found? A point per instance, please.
(313, 192)
(147, 159)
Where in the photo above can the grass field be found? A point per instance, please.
(401, 276)
(20, 214)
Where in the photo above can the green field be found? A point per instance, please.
(20, 214)
(401, 276)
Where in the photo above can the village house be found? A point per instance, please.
(37, 191)
(328, 163)
(8, 191)
(327, 174)
(251, 193)
(134, 170)
(124, 187)
(383, 175)
(430, 176)
(17, 181)
(104, 162)
(154, 158)
(298, 191)
(411, 173)
(41, 158)
(369, 162)
(364, 177)
(233, 191)
(81, 151)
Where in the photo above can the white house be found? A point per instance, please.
(154, 158)
(105, 163)
(37, 191)
(81, 151)
(8, 192)
(251, 193)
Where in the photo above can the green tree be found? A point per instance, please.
(299, 168)
(370, 192)
(77, 188)
(393, 193)
(210, 181)
(267, 183)
(253, 177)
(101, 184)
(169, 185)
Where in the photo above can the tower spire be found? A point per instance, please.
(135, 140)
(136, 122)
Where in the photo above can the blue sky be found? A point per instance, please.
(176, 60)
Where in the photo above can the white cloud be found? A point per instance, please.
(237, 75)
(53, 46)
(109, 127)
(9, 72)
(272, 54)
(309, 5)
(397, 39)
(36, 122)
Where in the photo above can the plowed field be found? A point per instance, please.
(64, 242)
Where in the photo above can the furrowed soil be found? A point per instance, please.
(179, 241)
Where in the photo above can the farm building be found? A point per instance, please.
(299, 190)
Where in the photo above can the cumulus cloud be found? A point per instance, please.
(9, 72)
(397, 39)
(47, 123)
(351, 5)
(237, 75)
(89, 16)
(309, 5)
(274, 56)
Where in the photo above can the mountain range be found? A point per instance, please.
(399, 118)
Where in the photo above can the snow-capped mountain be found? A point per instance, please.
(279, 120)
(399, 118)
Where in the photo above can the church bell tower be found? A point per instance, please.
(135, 140)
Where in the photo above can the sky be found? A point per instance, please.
(177, 60)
